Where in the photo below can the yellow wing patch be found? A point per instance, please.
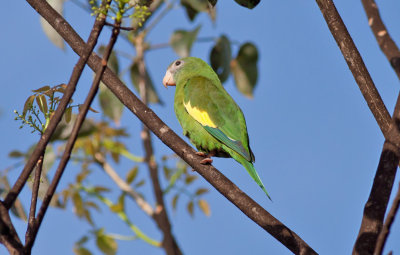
(200, 116)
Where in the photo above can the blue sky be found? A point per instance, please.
(316, 143)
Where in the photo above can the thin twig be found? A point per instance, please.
(35, 192)
(124, 186)
(122, 28)
(380, 244)
(161, 217)
(56, 118)
(247, 205)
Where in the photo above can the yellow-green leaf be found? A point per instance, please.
(189, 179)
(28, 104)
(205, 208)
(81, 251)
(175, 201)
(190, 208)
(68, 114)
(131, 175)
(106, 244)
(42, 89)
(201, 191)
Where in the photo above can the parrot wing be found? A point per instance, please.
(211, 106)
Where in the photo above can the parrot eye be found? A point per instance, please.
(177, 63)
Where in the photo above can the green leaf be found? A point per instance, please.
(248, 3)
(244, 69)
(78, 204)
(190, 208)
(42, 103)
(205, 208)
(28, 104)
(42, 89)
(64, 129)
(140, 183)
(201, 191)
(50, 32)
(220, 58)
(175, 201)
(68, 114)
(110, 104)
(189, 179)
(82, 241)
(131, 175)
(16, 154)
(193, 7)
(181, 41)
(81, 251)
(152, 96)
(213, 2)
(106, 243)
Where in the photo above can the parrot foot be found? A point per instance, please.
(206, 161)
(207, 157)
(201, 154)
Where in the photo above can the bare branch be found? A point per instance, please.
(35, 192)
(375, 208)
(385, 41)
(124, 186)
(380, 244)
(358, 69)
(247, 205)
(8, 235)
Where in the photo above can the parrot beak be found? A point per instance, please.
(168, 79)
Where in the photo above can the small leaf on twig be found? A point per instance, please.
(220, 58)
(181, 41)
(205, 208)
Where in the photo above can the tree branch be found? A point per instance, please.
(100, 20)
(359, 70)
(380, 244)
(124, 186)
(35, 192)
(247, 205)
(8, 235)
(375, 208)
(385, 41)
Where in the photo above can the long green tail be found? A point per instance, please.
(253, 173)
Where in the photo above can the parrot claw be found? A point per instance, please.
(201, 154)
(206, 161)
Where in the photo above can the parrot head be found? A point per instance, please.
(184, 67)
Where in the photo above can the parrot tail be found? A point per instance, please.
(253, 173)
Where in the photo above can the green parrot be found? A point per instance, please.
(208, 115)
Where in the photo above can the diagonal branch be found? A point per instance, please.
(247, 205)
(74, 133)
(56, 118)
